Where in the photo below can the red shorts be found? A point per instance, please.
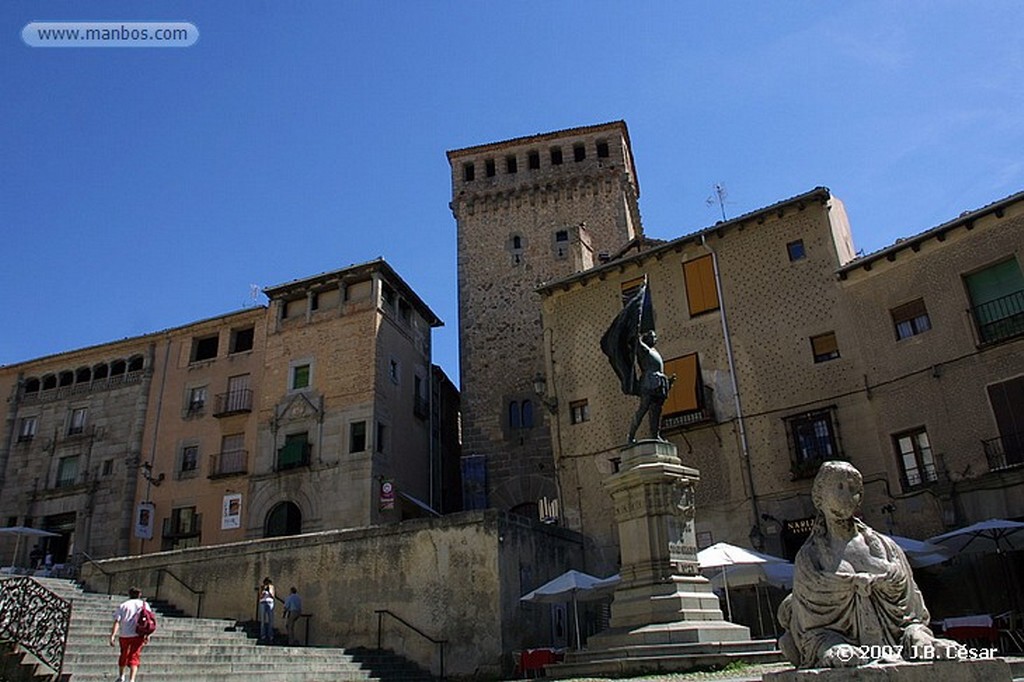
(131, 647)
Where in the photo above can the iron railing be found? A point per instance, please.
(703, 414)
(36, 619)
(1004, 452)
(233, 402)
(175, 529)
(199, 594)
(229, 463)
(294, 456)
(1000, 319)
(380, 636)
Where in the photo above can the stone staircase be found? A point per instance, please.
(207, 650)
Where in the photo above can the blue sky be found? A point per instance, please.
(142, 189)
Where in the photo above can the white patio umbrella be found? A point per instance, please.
(986, 537)
(726, 557)
(994, 535)
(921, 553)
(24, 531)
(574, 586)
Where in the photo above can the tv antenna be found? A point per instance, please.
(718, 197)
(254, 295)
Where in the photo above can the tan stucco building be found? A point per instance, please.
(789, 350)
(312, 413)
(788, 347)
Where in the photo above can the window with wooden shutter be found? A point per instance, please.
(701, 292)
(685, 395)
(825, 347)
(910, 319)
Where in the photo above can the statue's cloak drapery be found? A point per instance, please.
(619, 343)
(826, 609)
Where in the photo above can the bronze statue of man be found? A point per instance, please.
(654, 385)
(629, 344)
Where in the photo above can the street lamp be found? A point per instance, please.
(540, 388)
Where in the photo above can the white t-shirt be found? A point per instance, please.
(127, 614)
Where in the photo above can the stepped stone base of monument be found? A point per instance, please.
(699, 639)
(641, 658)
(990, 670)
(665, 616)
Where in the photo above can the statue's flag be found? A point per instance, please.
(620, 341)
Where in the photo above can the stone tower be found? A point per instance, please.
(529, 211)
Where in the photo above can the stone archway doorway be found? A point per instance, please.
(284, 519)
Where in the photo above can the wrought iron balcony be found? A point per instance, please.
(919, 477)
(229, 463)
(183, 527)
(1000, 319)
(684, 420)
(294, 455)
(1004, 452)
(233, 402)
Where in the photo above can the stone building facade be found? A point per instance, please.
(72, 445)
(528, 211)
(789, 350)
(310, 414)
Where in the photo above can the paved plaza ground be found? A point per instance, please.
(738, 673)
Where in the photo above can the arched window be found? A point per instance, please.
(517, 242)
(32, 385)
(117, 368)
(527, 509)
(135, 363)
(527, 414)
(284, 519)
(100, 371)
(83, 375)
(67, 377)
(49, 381)
(514, 415)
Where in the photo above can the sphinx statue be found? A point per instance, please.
(854, 598)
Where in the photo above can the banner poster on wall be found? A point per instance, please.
(231, 517)
(144, 515)
(387, 494)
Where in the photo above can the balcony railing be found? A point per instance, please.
(176, 528)
(233, 402)
(294, 455)
(1000, 319)
(920, 476)
(229, 463)
(1004, 452)
(687, 419)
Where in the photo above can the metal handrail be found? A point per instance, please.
(199, 593)
(380, 634)
(36, 619)
(110, 576)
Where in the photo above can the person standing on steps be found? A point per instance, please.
(131, 643)
(292, 611)
(265, 599)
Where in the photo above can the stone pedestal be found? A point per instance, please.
(665, 615)
(662, 597)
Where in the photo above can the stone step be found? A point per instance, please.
(648, 658)
(209, 650)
